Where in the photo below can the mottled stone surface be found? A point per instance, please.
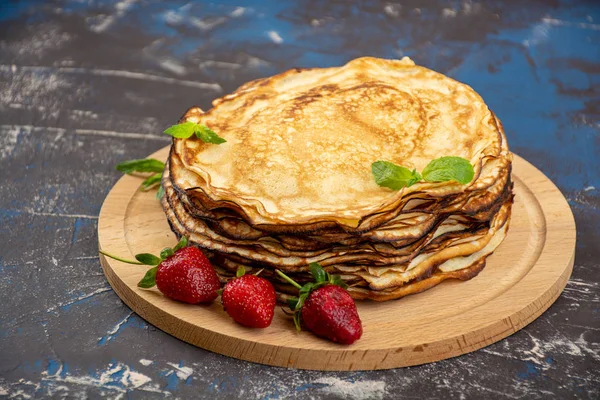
(85, 84)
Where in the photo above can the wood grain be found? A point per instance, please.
(521, 280)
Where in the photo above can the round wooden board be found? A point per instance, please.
(522, 279)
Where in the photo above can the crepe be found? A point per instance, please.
(293, 184)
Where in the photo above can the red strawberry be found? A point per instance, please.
(249, 300)
(330, 312)
(182, 273)
(188, 276)
(325, 307)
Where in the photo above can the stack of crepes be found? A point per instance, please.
(293, 184)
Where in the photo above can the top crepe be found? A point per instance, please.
(300, 144)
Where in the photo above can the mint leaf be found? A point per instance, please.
(149, 279)
(182, 131)
(151, 181)
(147, 259)
(207, 135)
(449, 169)
(160, 193)
(143, 165)
(202, 132)
(393, 176)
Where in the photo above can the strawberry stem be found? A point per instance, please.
(119, 258)
(289, 280)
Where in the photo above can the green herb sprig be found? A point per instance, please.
(202, 132)
(180, 131)
(393, 176)
(441, 169)
(132, 167)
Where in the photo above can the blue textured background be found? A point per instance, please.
(85, 84)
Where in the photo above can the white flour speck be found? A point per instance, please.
(182, 372)
(46, 37)
(173, 18)
(539, 34)
(393, 10)
(255, 62)
(448, 13)
(9, 137)
(238, 12)
(19, 394)
(592, 348)
(206, 25)
(275, 37)
(538, 353)
(145, 362)
(589, 189)
(172, 66)
(580, 25)
(102, 22)
(124, 5)
(468, 7)
(118, 377)
(83, 114)
(219, 64)
(38, 89)
(353, 390)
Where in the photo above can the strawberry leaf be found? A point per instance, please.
(240, 271)
(337, 280)
(147, 259)
(182, 131)
(293, 302)
(305, 290)
(182, 243)
(149, 280)
(318, 272)
(298, 309)
(166, 253)
(151, 181)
